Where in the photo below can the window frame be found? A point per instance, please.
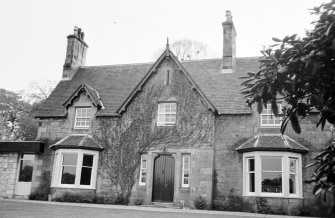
(183, 185)
(268, 107)
(285, 157)
(162, 115)
(58, 163)
(88, 116)
(140, 183)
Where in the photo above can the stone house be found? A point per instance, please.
(204, 140)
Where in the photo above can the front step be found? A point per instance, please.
(164, 205)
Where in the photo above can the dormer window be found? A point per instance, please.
(167, 113)
(82, 118)
(268, 119)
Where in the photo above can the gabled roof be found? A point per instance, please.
(167, 54)
(77, 141)
(271, 142)
(116, 84)
(92, 93)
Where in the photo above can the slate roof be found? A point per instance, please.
(114, 84)
(79, 141)
(271, 142)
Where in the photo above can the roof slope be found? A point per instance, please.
(222, 89)
(79, 141)
(272, 142)
(114, 84)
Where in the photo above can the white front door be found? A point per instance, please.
(26, 165)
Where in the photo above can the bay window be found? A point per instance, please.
(272, 174)
(75, 168)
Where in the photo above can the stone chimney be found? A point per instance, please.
(229, 45)
(75, 53)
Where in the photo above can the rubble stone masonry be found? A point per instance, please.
(8, 173)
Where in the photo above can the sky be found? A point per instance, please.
(33, 32)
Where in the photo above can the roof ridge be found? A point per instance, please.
(110, 65)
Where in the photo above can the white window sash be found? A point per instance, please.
(86, 117)
(162, 114)
(274, 118)
(184, 170)
(143, 168)
(285, 174)
(58, 168)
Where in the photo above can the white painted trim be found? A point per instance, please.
(56, 176)
(285, 174)
(271, 114)
(88, 116)
(183, 185)
(140, 183)
(162, 114)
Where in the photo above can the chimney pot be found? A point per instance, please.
(229, 18)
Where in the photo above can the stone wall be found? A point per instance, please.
(50, 131)
(233, 130)
(192, 134)
(8, 173)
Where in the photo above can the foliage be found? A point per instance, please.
(187, 49)
(219, 205)
(324, 174)
(124, 141)
(299, 71)
(43, 190)
(200, 203)
(16, 119)
(262, 206)
(76, 198)
(38, 91)
(138, 201)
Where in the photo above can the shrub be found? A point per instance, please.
(138, 201)
(200, 203)
(262, 206)
(219, 205)
(76, 198)
(121, 200)
(38, 196)
(43, 189)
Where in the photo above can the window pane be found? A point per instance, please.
(186, 173)
(26, 171)
(293, 165)
(272, 182)
(271, 163)
(68, 175)
(88, 160)
(185, 181)
(85, 178)
(292, 184)
(251, 165)
(70, 159)
(251, 182)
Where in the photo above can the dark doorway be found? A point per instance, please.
(163, 188)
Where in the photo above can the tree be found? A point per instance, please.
(301, 72)
(187, 49)
(16, 120)
(38, 90)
